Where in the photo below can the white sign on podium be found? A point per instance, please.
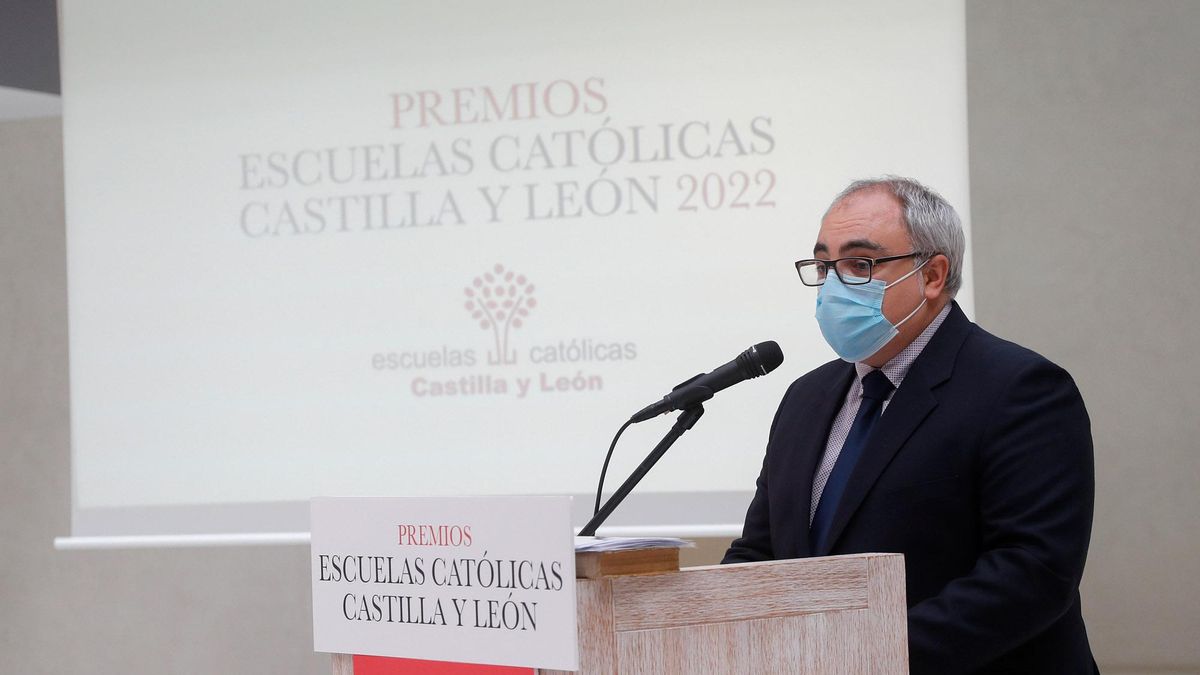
(467, 579)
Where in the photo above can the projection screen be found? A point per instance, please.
(396, 248)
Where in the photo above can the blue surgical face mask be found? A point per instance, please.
(851, 317)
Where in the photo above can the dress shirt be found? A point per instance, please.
(895, 370)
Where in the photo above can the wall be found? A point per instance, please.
(1085, 152)
(29, 45)
(234, 610)
(1085, 156)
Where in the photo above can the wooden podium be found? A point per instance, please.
(639, 613)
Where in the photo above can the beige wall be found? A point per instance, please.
(235, 610)
(1085, 172)
(1085, 151)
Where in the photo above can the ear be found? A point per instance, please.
(936, 273)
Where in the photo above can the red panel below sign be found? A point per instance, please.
(380, 665)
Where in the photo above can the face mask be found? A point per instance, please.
(851, 317)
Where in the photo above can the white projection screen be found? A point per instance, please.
(447, 248)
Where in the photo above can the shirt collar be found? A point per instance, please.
(898, 366)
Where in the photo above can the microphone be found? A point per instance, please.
(758, 360)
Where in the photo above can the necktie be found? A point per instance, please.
(875, 389)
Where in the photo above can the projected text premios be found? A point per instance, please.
(518, 162)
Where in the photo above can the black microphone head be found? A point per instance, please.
(760, 359)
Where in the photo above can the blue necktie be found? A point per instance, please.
(875, 389)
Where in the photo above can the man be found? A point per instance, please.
(970, 455)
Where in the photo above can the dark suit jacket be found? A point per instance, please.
(980, 473)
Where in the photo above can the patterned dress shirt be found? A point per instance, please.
(895, 370)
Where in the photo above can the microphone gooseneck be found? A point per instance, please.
(756, 361)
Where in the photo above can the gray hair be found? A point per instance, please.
(933, 225)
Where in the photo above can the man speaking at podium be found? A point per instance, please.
(930, 437)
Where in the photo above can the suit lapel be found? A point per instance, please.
(908, 408)
(807, 446)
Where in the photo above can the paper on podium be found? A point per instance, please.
(590, 544)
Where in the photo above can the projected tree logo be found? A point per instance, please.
(500, 300)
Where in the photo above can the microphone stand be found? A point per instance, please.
(686, 421)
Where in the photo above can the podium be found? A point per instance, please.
(638, 612)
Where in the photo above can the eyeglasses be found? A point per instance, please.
(852, 271)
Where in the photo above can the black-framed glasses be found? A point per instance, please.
(853, 271)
